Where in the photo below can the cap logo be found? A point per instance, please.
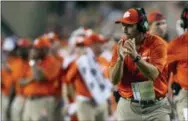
(127, 14)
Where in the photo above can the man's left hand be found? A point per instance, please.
(131, 48)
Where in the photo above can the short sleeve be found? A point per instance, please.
(71, 72)
(159, 56)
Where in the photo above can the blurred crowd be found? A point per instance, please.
(47, 78)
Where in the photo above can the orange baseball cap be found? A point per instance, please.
(130, 17)
(94, 38)
(91, 39)
(155, 16)
(41, 43)
(24, 43)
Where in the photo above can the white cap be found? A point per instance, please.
(78, 32)
(8, 44)
(51, 35)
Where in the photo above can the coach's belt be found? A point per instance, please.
(146, 102)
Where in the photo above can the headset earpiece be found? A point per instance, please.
(143, 24)
(184, 18)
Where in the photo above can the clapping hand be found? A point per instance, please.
(122, 52)
(130, 48)
(127, 47)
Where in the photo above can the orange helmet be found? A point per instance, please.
(94, 38)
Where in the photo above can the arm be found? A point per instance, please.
(69, 81)
(38, 73)
(69, 92)
(116, 70)
(152, 69)
(46, 69)
(147, 69)
(11, 98)
(65, 94)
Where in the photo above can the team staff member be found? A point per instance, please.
(6, 84)
(7, 80)
(69, 86)
(178, 65)
(19, 69)
(157, 24)
(40, 83)
(84, 99)
(69, 93)
(137, 67)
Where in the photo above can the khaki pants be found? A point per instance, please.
(88, 112)
(182, 102)
(17, 108)
(4, 107)
(40, 109)
(130, 111)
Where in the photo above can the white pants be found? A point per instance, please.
(42, 108)
(88, 112)
(4, 102)
(17, 108)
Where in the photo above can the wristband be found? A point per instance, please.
(137, 58)
(120, 58)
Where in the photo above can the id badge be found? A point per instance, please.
(143, 90)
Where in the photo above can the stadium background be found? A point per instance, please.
(33, 18)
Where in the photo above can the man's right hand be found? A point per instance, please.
(121, 50)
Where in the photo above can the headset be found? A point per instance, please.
(184, 18)
(143, 23)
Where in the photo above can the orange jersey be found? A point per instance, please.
(178, 59)
(154, 51)
(73, 76)
(19, 70)
(51, 68)
(7, 79)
